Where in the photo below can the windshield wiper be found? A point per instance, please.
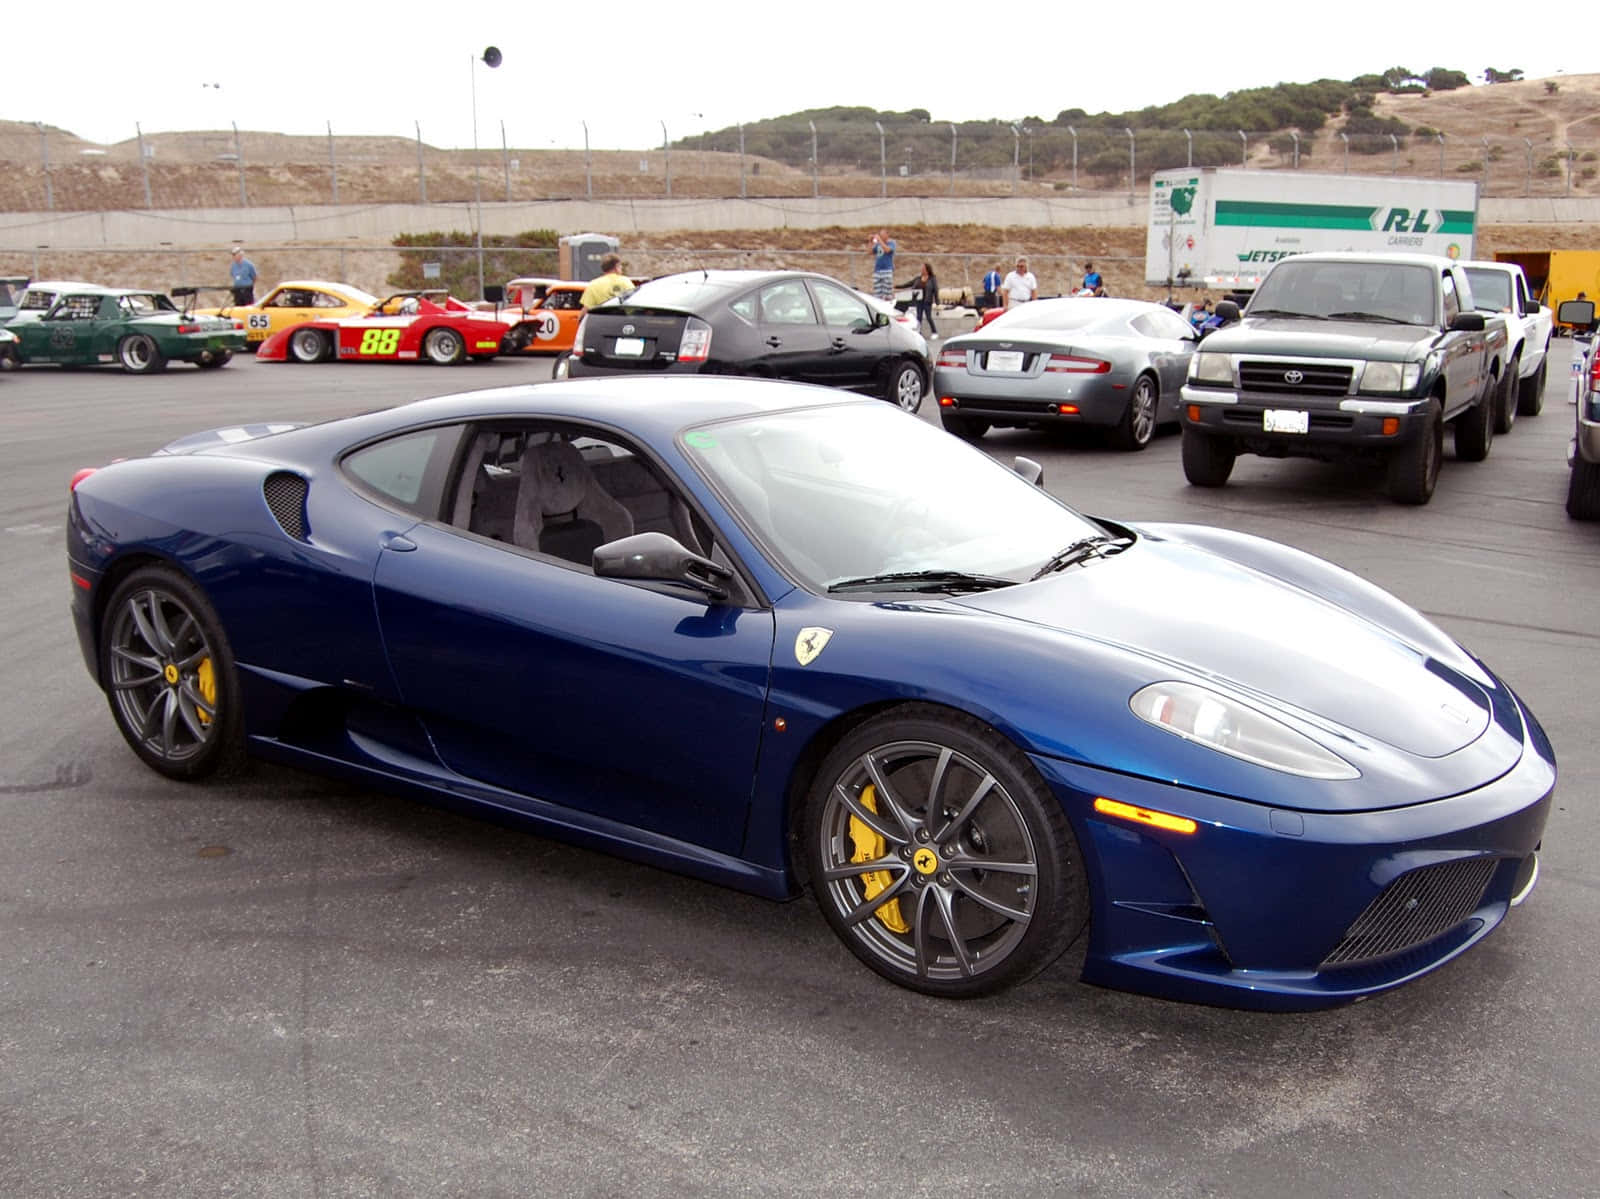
(1304, 316)
(1084, 548)
(922, 580)
(1369, 316)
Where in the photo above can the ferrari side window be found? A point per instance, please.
(408, 470)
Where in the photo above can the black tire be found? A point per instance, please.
(1505, 398)
(906, 386)
(309, 345)
(169, 676)
(969, 428)
(938, 803)
(561, 368)
(216, 361)
(140, 355)
(1583, 491)
(444, 346)
(1530, 393)
(1475, 428)
(9, 361)
(1138, 423)
(1207, 459)
(1414, 466)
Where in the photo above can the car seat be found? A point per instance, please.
(561, 509)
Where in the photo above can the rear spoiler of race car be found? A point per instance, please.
(190, 292)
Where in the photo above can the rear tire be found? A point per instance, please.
(1506, 399)
(140, 355)
(308, 345)
(1207, 459)
(968, 428)
(1583, 491)
(215, 361)
(1414, 467)
(1530, 392)
(1138, 423)
(1475, 427)
(444, 347)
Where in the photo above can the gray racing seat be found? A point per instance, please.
(561, 509)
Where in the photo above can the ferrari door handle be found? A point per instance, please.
(398, 542)
(838, 343)
(774, 342)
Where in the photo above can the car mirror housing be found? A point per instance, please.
(880, 320)
(658, 558)
(1029, 470)
(1227, 310)
(1467, 322)
(494, 293)
(1576, 312)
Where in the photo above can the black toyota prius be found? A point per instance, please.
(776, 324)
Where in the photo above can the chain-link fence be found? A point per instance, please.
(52, 170)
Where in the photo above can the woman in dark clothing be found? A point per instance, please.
(927, 289)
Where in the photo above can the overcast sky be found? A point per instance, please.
(624, 67)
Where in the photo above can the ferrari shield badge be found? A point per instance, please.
(810, 642)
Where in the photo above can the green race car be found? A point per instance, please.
(141, 330)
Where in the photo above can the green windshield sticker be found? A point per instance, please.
(700, 441)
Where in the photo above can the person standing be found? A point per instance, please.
(927, 288)
(1020, 286)
(882, 251)
(242, 277)
(1093, 284)
(991, 289)
(612, 282)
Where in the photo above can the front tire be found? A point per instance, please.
(1207, 459)
(444, 347)
(906, 387)
(1414, 467)
(169, 675)
(309, 345)
(1138, 423)
(1530, 392)
(140, 355)
(939, 857)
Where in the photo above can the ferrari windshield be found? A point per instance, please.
(856, 491)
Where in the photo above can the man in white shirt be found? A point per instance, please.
(1020, 286)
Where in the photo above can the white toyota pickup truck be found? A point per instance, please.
(1501, 287)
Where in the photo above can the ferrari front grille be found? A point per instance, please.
(285, 494)
(1414, 909)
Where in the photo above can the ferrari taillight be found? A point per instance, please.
(955, 359)
(1071, 364)
(80, 475)
(695, 345)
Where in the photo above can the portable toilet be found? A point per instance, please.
(578, 255)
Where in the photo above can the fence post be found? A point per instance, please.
(1296, 136)
(238, 154)
(741, 161)
(333, 165)
(44, 156)
(1394, 163)
(1345, 137)
(1129, 132)
(1440, 138)
(505, 160)
(1189, 160)
(1016, 158)
(1244, 150)
(883, 163)
(422, 175)
(667, 150)
(1486, 164)
(952, 160)
(814, 192)
(1527, 188)
(588, 173)
(144, 164)
(1074, 133)
(1572, 158)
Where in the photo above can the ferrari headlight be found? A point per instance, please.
(1211, 368)
(1228, 726)
(1393, 377)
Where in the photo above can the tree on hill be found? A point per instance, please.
(1491, 75)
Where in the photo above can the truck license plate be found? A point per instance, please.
(629, 347)
(1285, 420)
(1005, 360)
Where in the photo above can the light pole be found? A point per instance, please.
(491, 59)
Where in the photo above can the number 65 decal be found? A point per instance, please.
(259, 320)
(379, 341)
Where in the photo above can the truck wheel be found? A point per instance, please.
(1207, 459)
(1530, 395)
(1506, 397)
(1583, 491)
(1475, 428)
(1414, 467)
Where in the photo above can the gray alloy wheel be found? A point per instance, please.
(140, 355)
(1506, 400)
(1138, 423)
(169, 675)
(308, 345)
(906, 387)
(444, 347)
(1530, 394)
(939, 857)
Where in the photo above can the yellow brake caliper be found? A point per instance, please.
(208, 689)
(869, 848)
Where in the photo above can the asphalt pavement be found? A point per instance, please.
(285, 986)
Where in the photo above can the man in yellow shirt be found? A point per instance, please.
(612, 283)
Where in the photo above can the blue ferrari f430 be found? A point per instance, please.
(781, 637)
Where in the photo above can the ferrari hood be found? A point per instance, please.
(1262, 637)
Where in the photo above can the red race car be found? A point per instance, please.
(409, 326)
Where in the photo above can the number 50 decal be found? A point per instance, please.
(379, 341)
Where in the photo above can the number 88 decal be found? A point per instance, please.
(379, 341)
